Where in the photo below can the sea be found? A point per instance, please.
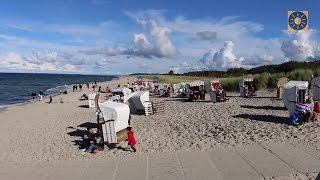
(16, 88)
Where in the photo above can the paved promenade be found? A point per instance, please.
(270, 160)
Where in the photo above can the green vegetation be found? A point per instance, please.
(264, 76)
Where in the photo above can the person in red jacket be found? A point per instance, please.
(131, 139)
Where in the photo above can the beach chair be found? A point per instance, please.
(280, 85)
(247, 87)
(115, 121)
(139, 102)
(294, 92)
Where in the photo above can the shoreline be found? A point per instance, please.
(3, 107)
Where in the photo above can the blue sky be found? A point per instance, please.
(120, 37)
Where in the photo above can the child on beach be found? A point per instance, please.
(131, 139)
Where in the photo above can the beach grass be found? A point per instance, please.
(262, 80)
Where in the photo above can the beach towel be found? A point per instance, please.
(301, 108)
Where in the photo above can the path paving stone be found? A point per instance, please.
(264, 162)
(100, 169)
(307, 149)
(270, 160)
(135, 169)
(232, 166)
(197, 165)
(164, 166)
(296, 158)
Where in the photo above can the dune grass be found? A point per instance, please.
(262, 81)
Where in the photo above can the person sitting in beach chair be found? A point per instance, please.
(221, 95)
(307, 111)
(249, 89)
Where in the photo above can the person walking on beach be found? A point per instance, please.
(34, 95)
(73, 88)
(80, 87)
(50, 99)
(41, 94)
(76, 87)
(88, 87)
(131, 139)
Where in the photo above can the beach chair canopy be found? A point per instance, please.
(297, 84)
(282, 81)
(161, 85)
(139, 98)
(315, 85)
(155, 80)
(92, 96)
(121, 91)
(245, 81)
(196, 83)
(215, 85)
(294, 92)
(119, 112)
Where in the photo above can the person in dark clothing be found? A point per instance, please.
(80, 87)
(50, 99)
(34, 95)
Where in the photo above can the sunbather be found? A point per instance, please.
(83, 97)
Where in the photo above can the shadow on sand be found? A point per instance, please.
(84, 106)
(264, 107)
(88, 125)
(265, 118)
(80, 132)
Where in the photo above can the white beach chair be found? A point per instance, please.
(294, 92)
(116, 116)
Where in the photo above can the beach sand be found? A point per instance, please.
(39, 131)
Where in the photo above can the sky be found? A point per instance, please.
(130, 36)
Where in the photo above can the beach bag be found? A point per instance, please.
(294, 119)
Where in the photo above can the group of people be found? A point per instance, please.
(40, 94)
(75, 87)
(92, 141)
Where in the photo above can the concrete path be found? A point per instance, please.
(270, 160)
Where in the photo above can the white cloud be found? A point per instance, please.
(299, 48)
(41, 62)
(161, 46)
(223, 59)
(153, 42)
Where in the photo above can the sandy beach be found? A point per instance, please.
(40, 132)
